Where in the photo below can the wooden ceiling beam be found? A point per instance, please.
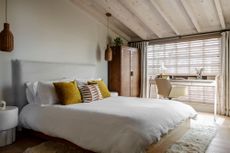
(99, 17)
(165, 17)
(220, 13)
(191, 15)
(124, 16)
(135, 8)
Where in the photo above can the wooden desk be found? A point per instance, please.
(184, 82)
(207, 83)
(203, 83)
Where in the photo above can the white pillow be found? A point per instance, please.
(31, 90)
(43, 92)
(46, 94)
(82, 82)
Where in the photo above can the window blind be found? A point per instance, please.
(182, 58)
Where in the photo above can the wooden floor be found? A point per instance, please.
(220, 144)
(22, 142)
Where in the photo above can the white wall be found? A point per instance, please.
(51, 30)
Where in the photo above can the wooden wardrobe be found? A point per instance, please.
(124, 71)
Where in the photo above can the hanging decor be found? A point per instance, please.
(108, 51)
(6, 36)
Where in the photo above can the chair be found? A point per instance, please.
(166, 90)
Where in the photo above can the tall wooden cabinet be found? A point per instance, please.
(124, 71)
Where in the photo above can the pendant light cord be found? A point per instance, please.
(6, 11)
(107, 27)
(108, 16)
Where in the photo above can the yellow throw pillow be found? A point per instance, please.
(67, 92)
(102, 86)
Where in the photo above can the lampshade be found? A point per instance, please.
(6, 39)
(108, 54)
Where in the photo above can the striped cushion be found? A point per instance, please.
(102, 87)
(90, 93)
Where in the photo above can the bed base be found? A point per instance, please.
(159, 147)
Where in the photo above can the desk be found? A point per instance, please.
(201, 83)
(207, 83)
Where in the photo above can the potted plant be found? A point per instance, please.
(118, 41)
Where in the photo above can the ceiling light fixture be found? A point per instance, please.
(108, 51)
(6, 36)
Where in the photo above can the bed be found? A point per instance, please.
(112, 125)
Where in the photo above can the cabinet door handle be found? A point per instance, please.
(131, 73)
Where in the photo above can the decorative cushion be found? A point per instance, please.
(67, 92)
(102, 86)
(90, 93)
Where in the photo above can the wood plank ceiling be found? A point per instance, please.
(152, 19)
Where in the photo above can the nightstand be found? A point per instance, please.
(8, 123)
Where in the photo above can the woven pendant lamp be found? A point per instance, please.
(6, 39)
(6, 36)
(108, 51)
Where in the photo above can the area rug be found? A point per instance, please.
(196, 140)
(53, 147)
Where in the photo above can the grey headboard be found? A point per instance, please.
(24, 71)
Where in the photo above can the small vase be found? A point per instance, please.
(199, 77)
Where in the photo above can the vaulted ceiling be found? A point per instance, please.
(153, 19)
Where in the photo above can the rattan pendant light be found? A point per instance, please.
(6, 36)
(108, 51)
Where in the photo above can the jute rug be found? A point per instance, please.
(196, 140)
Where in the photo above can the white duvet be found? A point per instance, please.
(111, 125)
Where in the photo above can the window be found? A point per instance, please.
(182, 58)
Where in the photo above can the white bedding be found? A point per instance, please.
(111, 125)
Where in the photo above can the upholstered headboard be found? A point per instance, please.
(24, 71)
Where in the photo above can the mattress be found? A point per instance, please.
(112, 125)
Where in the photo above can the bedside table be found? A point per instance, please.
(8, 123)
